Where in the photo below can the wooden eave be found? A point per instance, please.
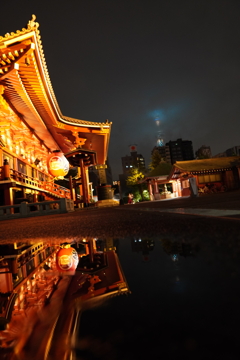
(205, 166)
(77, 154)
(161, 179)
(28, 89)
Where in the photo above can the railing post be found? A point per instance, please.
(6, 170)
(63, 205)
(47, 207)
(24, 208)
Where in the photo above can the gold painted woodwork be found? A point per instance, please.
(24, 74)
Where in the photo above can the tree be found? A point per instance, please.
(155, 159)
(134, 176)
(163, 168)
(133, 182)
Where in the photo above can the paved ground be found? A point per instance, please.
(159, 218)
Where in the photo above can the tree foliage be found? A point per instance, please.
(155, 159)
(163, 168)
(134, 176)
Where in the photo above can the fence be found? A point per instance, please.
(33, 183)
(36, 209)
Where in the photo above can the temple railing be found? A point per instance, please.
(36, 209)
(46, 186)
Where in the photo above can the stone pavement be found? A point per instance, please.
(147, 219)
(216, 204)
(199, 212)
(228, 200)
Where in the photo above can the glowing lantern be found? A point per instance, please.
(58, 164)
(67, 260)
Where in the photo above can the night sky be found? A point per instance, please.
(134, 61)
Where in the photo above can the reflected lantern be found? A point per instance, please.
(67, 260)
(58, 165)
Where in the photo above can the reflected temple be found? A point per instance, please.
(40, 295)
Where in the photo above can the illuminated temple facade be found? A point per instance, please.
(32, 126)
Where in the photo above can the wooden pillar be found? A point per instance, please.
(71, 187)
(150, 191)
(156, 191)
(8, 196)
(84, 183)
(91, 250)
(179, 186)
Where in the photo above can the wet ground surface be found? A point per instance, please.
(181, 261)
(147, 219)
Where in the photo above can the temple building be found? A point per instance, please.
(193, 177)
(32, 127)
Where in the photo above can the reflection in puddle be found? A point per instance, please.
(44, 287)
(184, 299)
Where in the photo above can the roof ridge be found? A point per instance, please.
(32, 25)
(68, 118)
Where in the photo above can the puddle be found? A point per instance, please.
(178, 298)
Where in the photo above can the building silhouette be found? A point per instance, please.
(235, 150)
(134, 160)
(164, 152)
(180, 150)
(129, 162)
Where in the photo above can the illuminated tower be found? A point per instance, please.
(160, 141)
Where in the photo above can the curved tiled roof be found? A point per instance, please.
(9, 57)
(85, 122)
(208, 164)
(27, 87)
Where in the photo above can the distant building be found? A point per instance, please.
(235, 150)
(164, 151)
(129, 162)
(135, 160)
(180, 150)
(204, 152)
(219, 155)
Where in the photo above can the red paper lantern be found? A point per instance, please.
(58, 165)
(67, 260)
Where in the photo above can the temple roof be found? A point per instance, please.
(208, 164)
(28, 90)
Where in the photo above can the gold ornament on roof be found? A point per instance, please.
(32, 25)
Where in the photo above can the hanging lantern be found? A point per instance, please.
(58, 165)
(67, 260)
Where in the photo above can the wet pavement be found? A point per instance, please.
(198, 212)
(147, 219)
